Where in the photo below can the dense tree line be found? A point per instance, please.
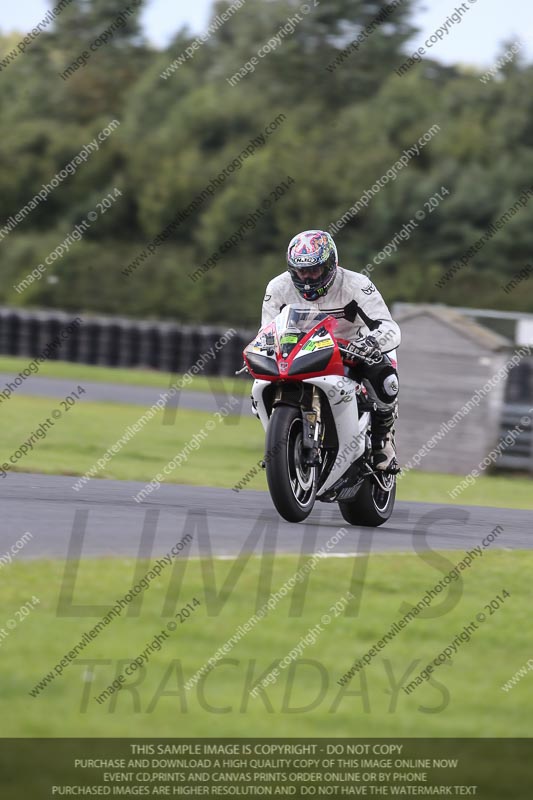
(206, 178)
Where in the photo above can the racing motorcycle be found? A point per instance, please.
(316, 415)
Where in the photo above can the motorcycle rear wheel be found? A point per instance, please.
(372, 505)
(292, 484)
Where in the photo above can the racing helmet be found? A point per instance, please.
(312, 261)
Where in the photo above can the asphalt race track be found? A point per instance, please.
(100, 392)
(103, 520)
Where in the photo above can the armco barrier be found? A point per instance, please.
(119, 342)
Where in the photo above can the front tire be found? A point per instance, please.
(373, 504)
(292, 485)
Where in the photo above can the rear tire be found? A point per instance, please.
(372, 505)
(292, 485)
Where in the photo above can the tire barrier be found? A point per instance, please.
(119, 342)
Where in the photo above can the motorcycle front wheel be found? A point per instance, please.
(292, 484)
(373, 503)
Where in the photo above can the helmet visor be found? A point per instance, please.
(310, 273)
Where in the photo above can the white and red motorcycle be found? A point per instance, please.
(317, 421)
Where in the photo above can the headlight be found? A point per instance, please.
(262, 364)
(313, 362)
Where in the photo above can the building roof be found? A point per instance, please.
(477, 333)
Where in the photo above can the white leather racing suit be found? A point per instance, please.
(361, 311)
(348, 286)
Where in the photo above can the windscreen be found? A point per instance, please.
(303, 319)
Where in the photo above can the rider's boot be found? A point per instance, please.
(383, 444)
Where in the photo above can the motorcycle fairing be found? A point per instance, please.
(350, 428)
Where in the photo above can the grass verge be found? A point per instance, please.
(133, 377)
(462, 697)
(226, 457)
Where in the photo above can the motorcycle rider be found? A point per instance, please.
(315, 279)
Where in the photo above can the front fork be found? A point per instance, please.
(312, 433)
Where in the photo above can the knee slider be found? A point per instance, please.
(382, 384)
(390, 386)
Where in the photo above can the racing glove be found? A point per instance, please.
(365, 349)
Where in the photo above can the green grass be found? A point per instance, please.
(229, 451)
(490, 490)
(84, 433)
(133, 377)
(462, 699)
